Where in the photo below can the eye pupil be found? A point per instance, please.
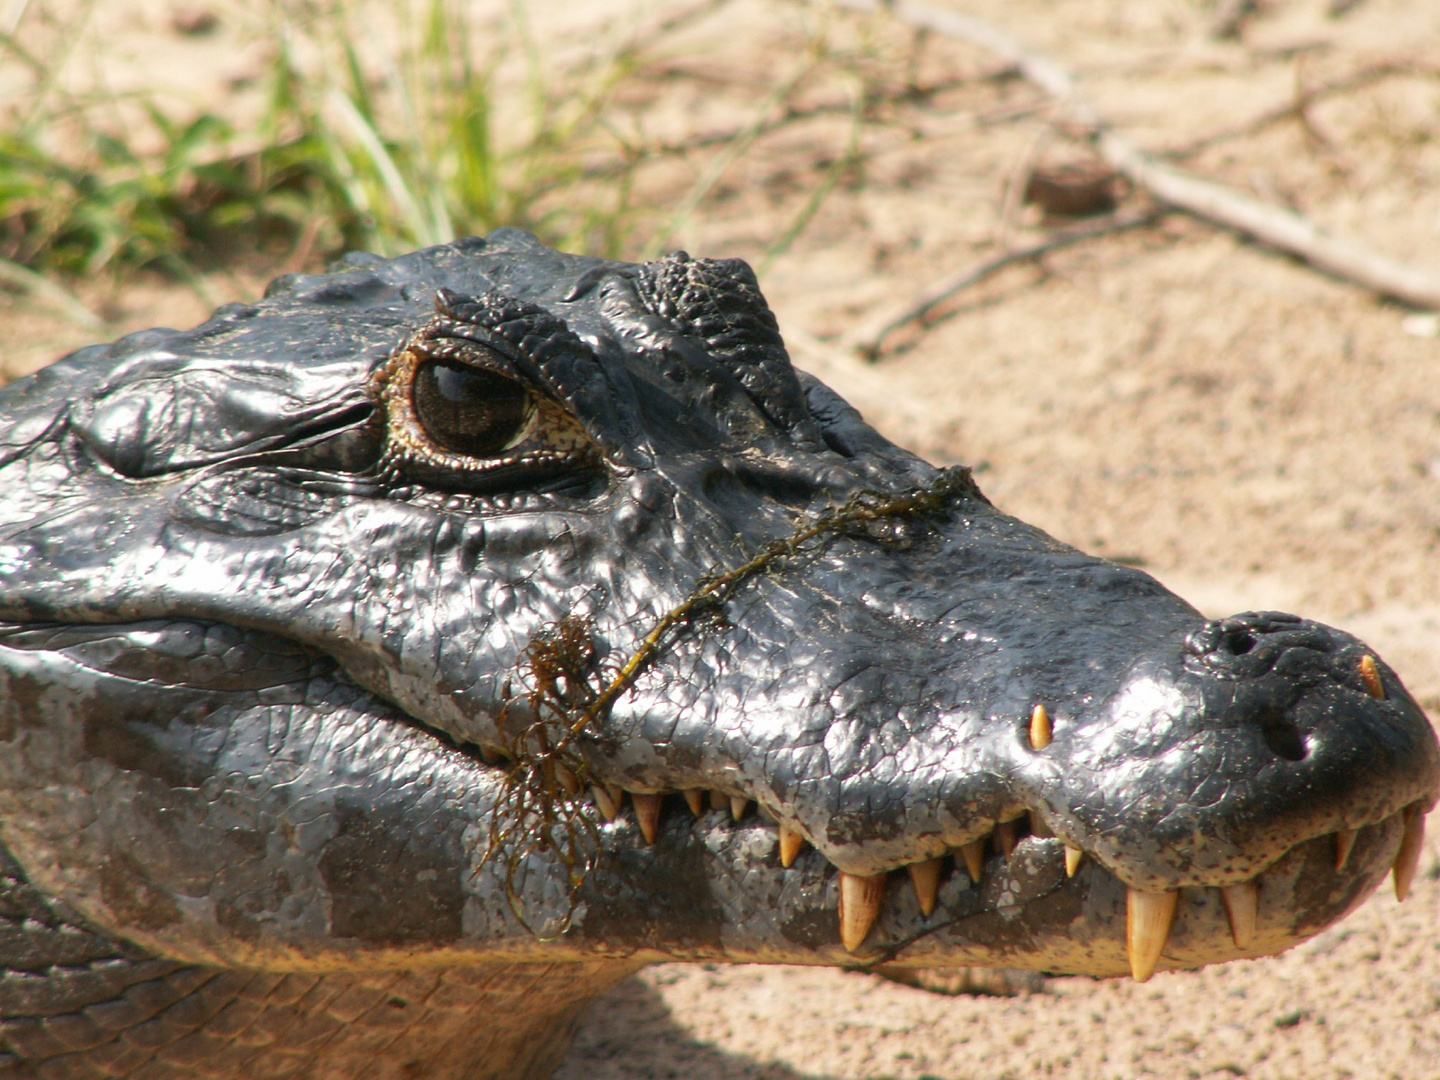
(469, 411)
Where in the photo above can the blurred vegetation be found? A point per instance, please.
(386, 125)
(380, 141)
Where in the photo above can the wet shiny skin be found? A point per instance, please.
(260, 626)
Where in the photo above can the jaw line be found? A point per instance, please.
(714, 890)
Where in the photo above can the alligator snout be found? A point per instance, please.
(1263, 717)
(1205, 782)
(1255, 643)
(1263, 663)
(1266, 736)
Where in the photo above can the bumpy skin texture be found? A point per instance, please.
(256, 625)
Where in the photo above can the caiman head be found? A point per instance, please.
(339, 629)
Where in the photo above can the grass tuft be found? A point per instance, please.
(386, 125)
(380, 141)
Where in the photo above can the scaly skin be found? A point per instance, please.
(274, 594)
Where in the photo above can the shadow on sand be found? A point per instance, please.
(629, 1034)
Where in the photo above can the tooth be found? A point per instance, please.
(1344, 841)
(791, 844)
(1241, 902)
(1041, 731)
(491, 754)
(1038, 826)
(617, 794)
(567, 778)
(860, 900)
(695, 799)
(1008, 833)
(738, 805)
(1073, 855)
(647, 813)
(1148, 917)
(925, 877)
(718, 800)
(609, 809)
(973, 854)
(1371, 674)
(1407, 859)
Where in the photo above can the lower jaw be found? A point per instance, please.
(1081, 927)
(732, 902)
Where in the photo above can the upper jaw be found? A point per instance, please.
(1269, 847)
(1180, 754)
(1181, 767)
(714, 889)
(1207, 770)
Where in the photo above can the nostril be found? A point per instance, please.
(1237, 640)
(1223, 638)
(1282, 736)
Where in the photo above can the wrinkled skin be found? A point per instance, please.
(265, 604)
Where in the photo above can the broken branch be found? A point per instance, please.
(870, 341)
(1295, 109)
(1274, 226)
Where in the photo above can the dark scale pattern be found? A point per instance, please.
(718, 301)
(66, 989)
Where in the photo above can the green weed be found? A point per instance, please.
(385, 125)
(388, 150)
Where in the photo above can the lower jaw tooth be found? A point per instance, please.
(647, 813)
(1407, 859)
(609, 808)
(1148, 917)
(1073, 857)
(1370, 674)
(925, 877)
(791, 844)
(567, 779)
(860, 901)
(1241, 904)
(1344, 841)
(1008, 833)
(973, 856)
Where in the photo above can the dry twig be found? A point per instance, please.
(1273, 226)
(1298, 107)
(1019, 180)
(869, 342)
(1231, 17)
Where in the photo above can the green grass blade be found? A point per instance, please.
(822, 190)
(389, 174)
(27, 280)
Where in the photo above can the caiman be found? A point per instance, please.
(392, 665)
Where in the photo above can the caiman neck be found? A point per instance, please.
(106, 1007)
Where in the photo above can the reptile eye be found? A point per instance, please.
(469, 411)
(466, 410)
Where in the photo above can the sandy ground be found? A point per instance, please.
(1250, 432)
